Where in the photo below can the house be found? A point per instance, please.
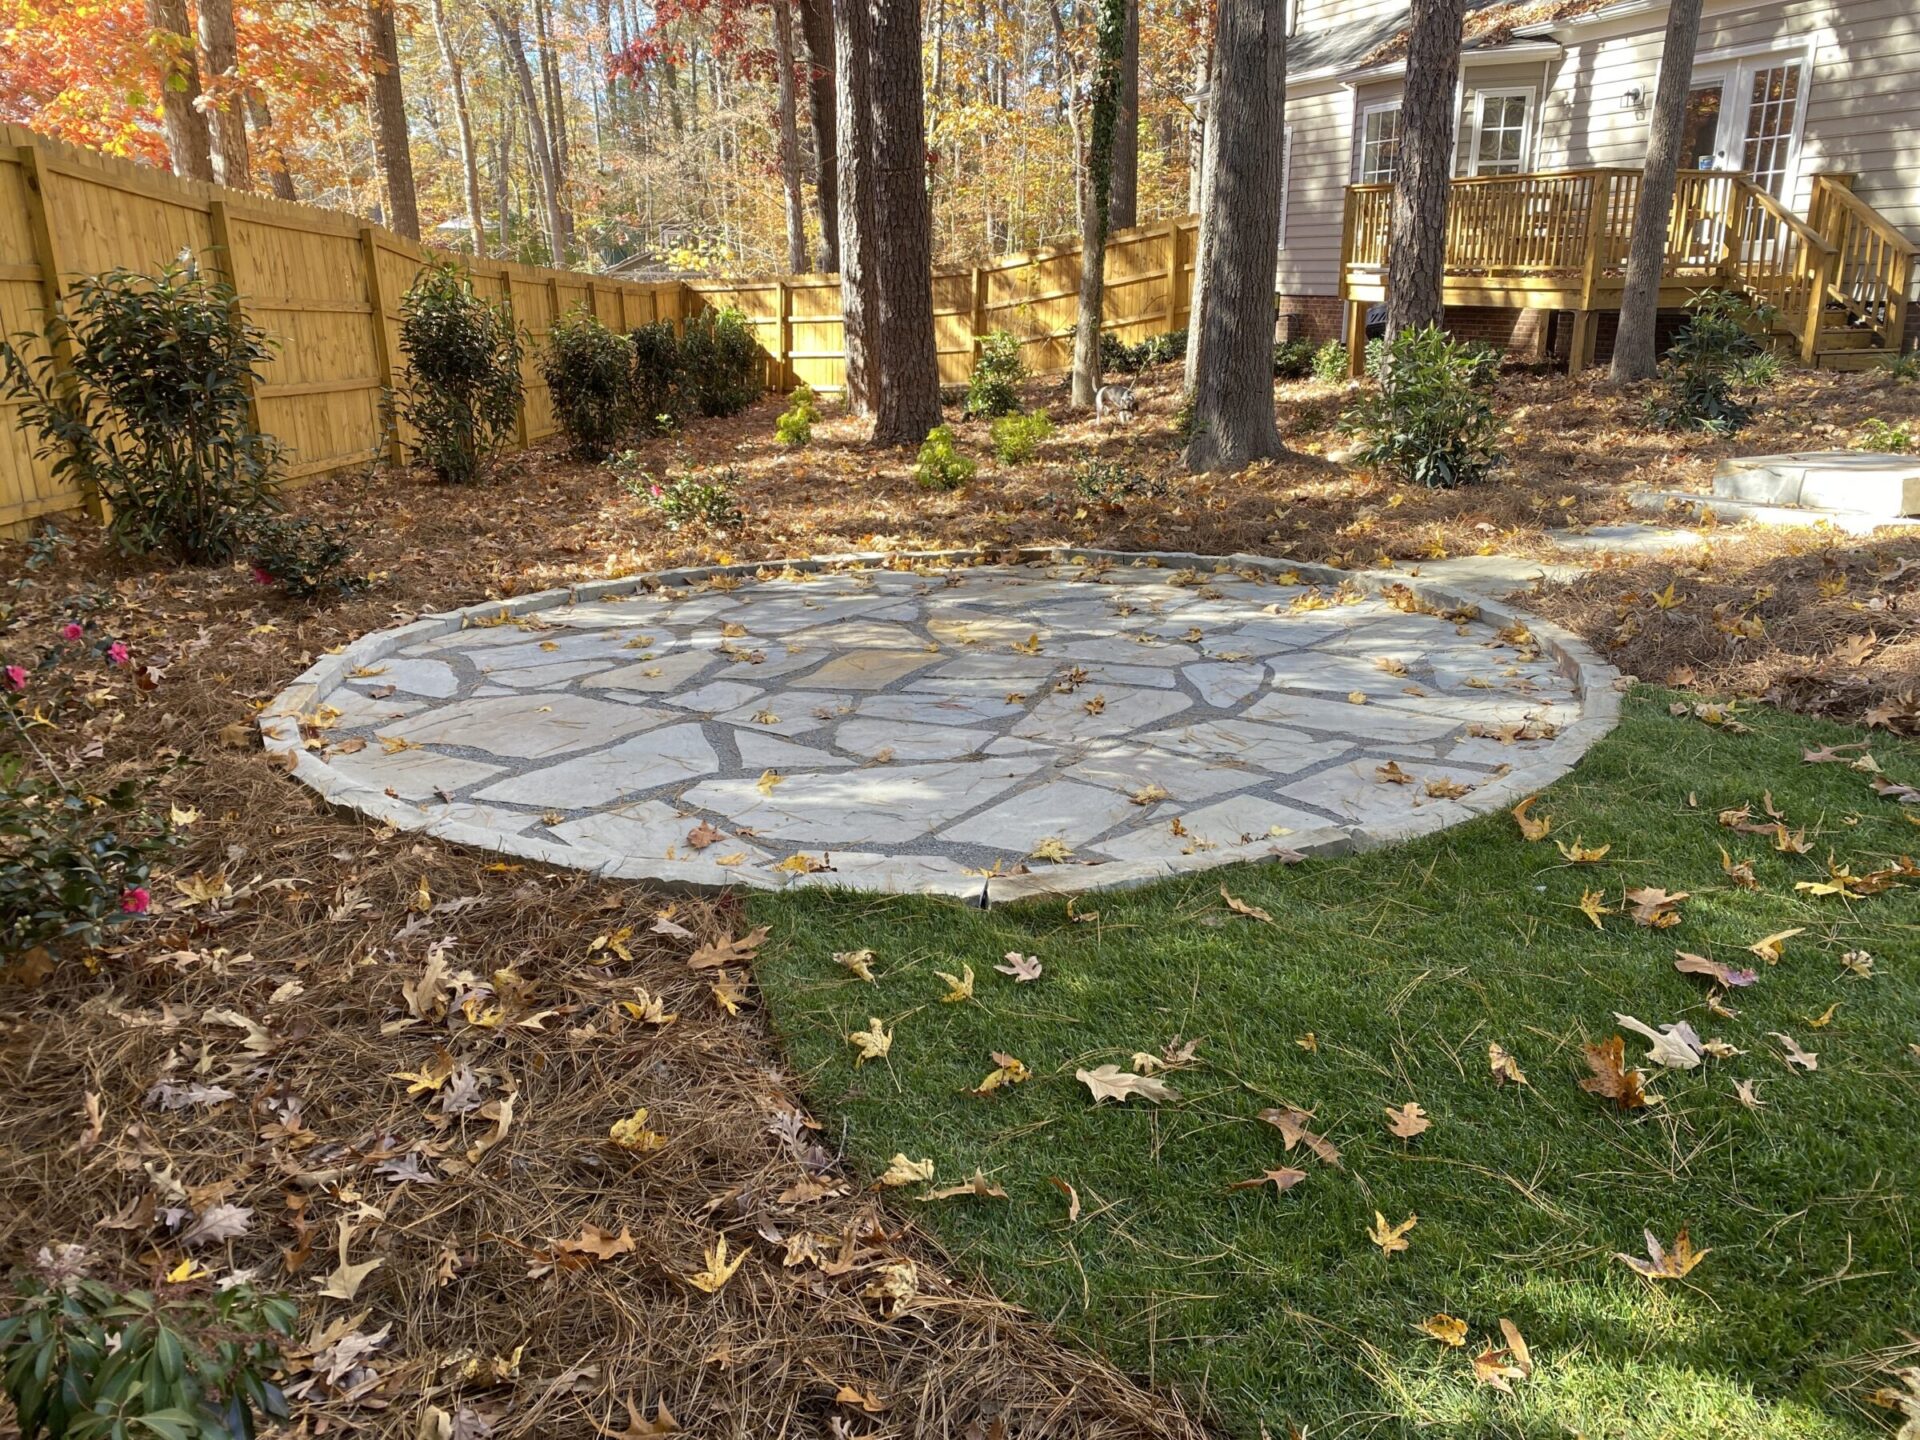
(1803, 121)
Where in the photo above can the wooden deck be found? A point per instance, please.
(1836, 283)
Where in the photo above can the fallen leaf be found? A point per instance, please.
(1593, 904)
(632, 1134)
(1738, 871)
(1110, 1082)
(718, 1271)
(1611, 1079)
(1748, 1092)
(1532, 829)
(1008, 1070)
(1793, 1054)
(1282, 1180)
(978, 1186)
(1664, 1264)
(767, 781)
(218, 1224)
(1023, 968)
(1391, 774)
(1581, 853)
(641, 1428)
(860, 962)
(1408, 1121)
(1241, 907)
(1504, 1066)
(959, 987)
(902, 1171)
(1073, 1197)
(345, 1281)
(1391, 1237)
(1726, 975)
(1292, 1125)
(1773, 947)
(703, 835)
(1674, 1046)
(1052, 849)
(873, 1043)
(1446, 1329)
(1655, 907)
(737, 951)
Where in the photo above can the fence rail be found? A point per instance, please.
(327, 287)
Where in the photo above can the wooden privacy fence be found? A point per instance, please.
(327, 287)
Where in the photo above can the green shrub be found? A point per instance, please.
(153, 411)
(657, 398)
(1902, 367)
(1295, 359)
(589, 375)
(721, 364)
(304, 558)
(1877, 434)
(1429, 421)
(795, 425)
(1715, 364)
(1109, 482)
(1330, 363)
(82, 1360)
(460, 388)
(1117, 354)
(1016, 438)
(687, 502)
(1186, 418)
(994, 387)
(941, 466)
(73, 858)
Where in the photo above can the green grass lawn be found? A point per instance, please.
(1276, 1308)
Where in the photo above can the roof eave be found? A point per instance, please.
(1488, 55)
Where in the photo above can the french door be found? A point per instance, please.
(1745, 115)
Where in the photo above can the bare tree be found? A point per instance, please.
(1633, 352)
(264, 145)
(1125, 205)
(1103, 107)
(1197, 126)
(463, 123)
(901, 347)
(816, 27)
(171, 42)
(227, 115)
(506, 23)
(1233, 330)
(859, 299)
(1417, 230)
(789, 137)
(389, 106)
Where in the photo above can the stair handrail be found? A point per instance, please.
(1836, 208)
(1816, 266)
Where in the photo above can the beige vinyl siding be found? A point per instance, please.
(1863, 105)
(1321, 120)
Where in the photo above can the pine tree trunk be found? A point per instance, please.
(1124, 210)
(859, 299)
(1417, 234)
(901, 349)
(1633, 347)
(816, 27)
(1104, 115)
(390, 121)
(1232, 336)
(227, 116)
(790, 138)
(172, 45)
(463, 122)
(272, 160)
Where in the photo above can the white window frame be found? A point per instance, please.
(1286, 180)
(1364, 113)
(1528, 129)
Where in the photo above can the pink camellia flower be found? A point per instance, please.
(16, 677)
(117, 653)
(135, 900)
(72, 630)
(260, 576)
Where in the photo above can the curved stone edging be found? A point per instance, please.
(279, 724)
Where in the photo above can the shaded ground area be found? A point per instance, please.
(1342, 990)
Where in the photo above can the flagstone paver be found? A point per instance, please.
(1049, 723)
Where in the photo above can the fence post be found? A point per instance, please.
(46, 254)
(1173, 274)
(1824, 265)
(783, 338)
(382, 346)
(977, 313)
(513, 321)
(222, 226)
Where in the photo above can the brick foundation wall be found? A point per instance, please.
(1537, 336)
(1318, 317)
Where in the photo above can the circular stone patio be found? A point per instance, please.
(1045, 723)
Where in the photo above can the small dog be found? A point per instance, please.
(1116, 398)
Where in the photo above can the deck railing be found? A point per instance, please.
(1873, 263)
(1568, 232)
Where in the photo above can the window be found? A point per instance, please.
(1379, 143)
(1502, 125)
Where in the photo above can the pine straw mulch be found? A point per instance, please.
(278, 971)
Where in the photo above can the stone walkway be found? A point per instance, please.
(989, 731)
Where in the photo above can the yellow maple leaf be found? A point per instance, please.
(1773, 946)
(1581, 853)
(1391, 1237)
(768, 779)
(1533, 829)
(873, 1043)
(1593, 904)
(718, 1270)
(632, 1133)
(959, 987)
(1052, 848)
(1446, 1329)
